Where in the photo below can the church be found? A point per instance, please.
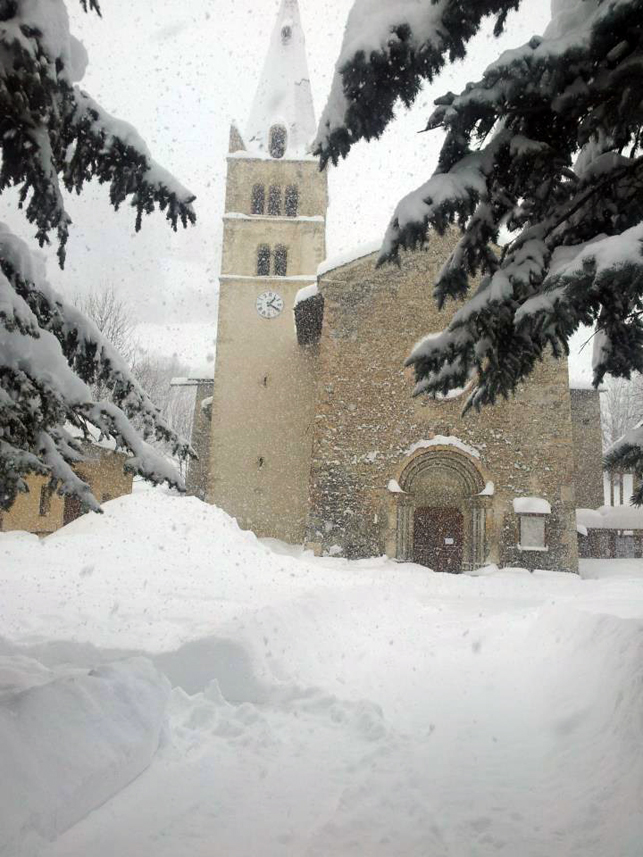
(309, 432)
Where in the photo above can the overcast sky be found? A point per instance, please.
(181, 72)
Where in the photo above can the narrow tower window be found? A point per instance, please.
(292, 200)
(258, 199)
(278, 139)
(281, 260)
(263, 261)
(274, 201)
(286, 34)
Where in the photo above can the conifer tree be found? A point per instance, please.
(54, 137)
(547, 143)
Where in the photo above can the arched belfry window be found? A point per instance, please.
(274, 201)
(292, 200)
(263, 260)
(281, 261)
(258, 199)
(278, 140)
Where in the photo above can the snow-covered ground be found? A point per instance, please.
(169, 685)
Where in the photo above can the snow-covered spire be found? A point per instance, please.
(284, 100)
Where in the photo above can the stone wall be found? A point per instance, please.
(588, 448)
(369, 430)
(201, 441)
(262, 416)
(245, 171)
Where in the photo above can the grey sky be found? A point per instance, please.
(180, 72)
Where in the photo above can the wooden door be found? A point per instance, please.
(438, 539)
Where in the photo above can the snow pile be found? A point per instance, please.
(70, 740)
(488, 714)
(125, 579)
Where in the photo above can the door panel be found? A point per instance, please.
(438, 539)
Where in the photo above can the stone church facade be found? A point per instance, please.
(312, 435)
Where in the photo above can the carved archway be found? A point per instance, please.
(448, 478)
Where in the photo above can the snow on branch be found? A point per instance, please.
(53, 132)
(45, 370)
(389, 49)
(118, 155)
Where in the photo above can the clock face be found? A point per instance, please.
(270, 305)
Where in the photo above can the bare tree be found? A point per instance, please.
(114, 318)
(155, 374)
(622, 407)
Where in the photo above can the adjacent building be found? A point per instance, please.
(42, 510)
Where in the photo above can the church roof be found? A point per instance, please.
(348, 256)
(284, 96)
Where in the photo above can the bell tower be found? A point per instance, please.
(274, 237)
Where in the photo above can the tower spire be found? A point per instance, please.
(284, 99)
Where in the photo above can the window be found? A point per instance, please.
(286, 34)
(263, 261)
(45, 501)
(278, 139)
(532, 532)
(274, 201)
(281, 261)
(258, 199)
(625, 545)
(292, 200)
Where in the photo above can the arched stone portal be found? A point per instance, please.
(441, 515)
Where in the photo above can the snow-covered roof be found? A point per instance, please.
(206, 376)
(306, 293)
(611, 518)
(349, 256)
(284, 96)
(531, 506)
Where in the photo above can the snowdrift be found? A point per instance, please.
(70, 741)
(344, 707)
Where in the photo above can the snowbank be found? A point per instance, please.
(70, 741)
(496, 713)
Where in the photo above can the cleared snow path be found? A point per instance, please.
(333, 708)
